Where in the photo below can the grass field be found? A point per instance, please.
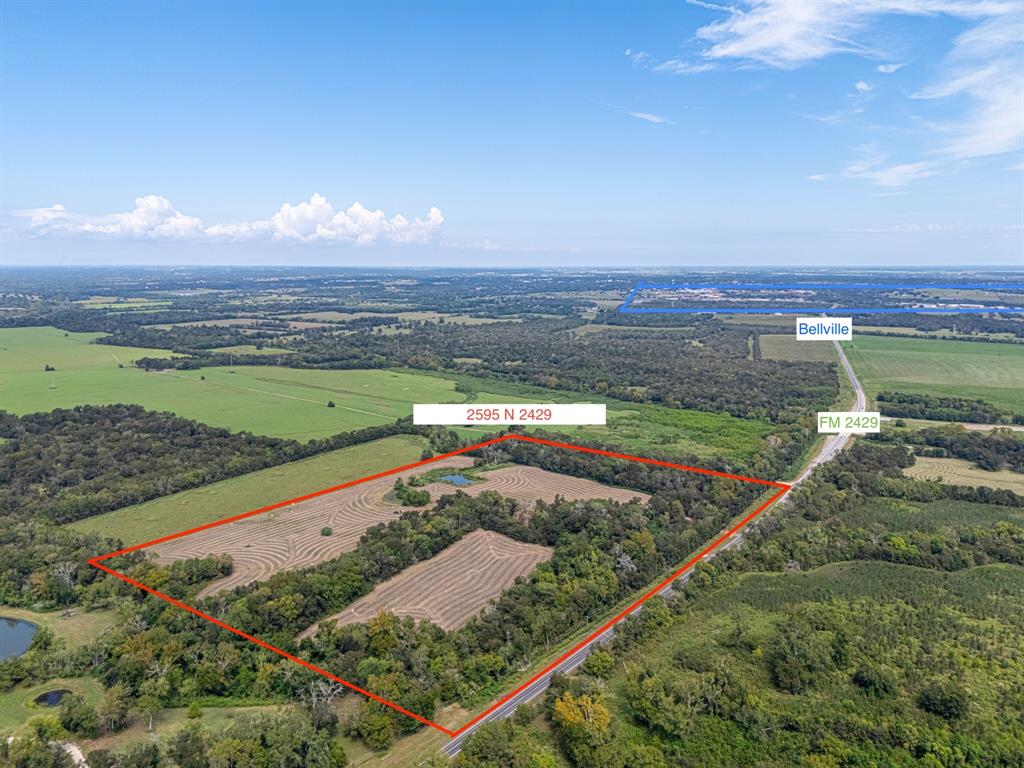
(169, 514)
(83, 627)
(992, 372)
(960, 472)
(635, 427)
(18, 704)
(281, 402)
(778, 346)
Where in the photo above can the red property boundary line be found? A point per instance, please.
(97, 562)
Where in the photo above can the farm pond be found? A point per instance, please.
(456, 479)
(15, 636)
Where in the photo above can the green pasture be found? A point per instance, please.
(196, 506)
(635, 427)
(18, 704)
(971, 369)
(267, 400)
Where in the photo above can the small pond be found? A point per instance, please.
(457, 479)
(51, 698)
(15, 636)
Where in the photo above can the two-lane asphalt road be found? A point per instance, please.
(829, 449)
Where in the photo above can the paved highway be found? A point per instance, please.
(832, 446)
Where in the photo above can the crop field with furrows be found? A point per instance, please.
(960, 472)
(527, 485)
(293, 536)
(451, 587)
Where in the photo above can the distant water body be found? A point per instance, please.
(15, 636)
(457, 479)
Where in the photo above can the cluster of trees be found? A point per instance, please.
(603, 551)
(963, 327)
(872, 667)
(993, 451)
(66, 465)
(285, 739)
(409, 496)
(709, 369)
(909, 406)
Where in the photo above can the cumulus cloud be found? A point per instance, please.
(861, 87)
(888, 69)
(311, 221)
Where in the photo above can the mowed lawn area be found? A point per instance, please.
(982, 370)
(196, 506)
(266, 400)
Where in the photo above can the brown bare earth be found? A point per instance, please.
(451, 587)
(290, 537)
(527, 485)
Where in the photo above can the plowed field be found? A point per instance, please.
(451, 587)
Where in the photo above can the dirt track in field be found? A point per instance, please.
(451, 587)
(290, 537)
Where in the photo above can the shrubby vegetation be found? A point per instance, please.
(909, 406)
(74, 463)
(785, 653)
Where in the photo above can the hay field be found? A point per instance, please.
(291, 537)
(960, 472)
(527, 485)
(451, 587)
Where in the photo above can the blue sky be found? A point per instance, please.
(755, 133)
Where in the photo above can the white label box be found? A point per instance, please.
(824, 328)
(508, 413)
(849, 422)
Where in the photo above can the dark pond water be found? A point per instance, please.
(457, 479)
(51, 698)
(15, 636)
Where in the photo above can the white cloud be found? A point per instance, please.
(875, 168)
(647, 117)
(985, 66)
(312, 221)
(680, 67)
(650, 117)
(818, 177)
(982, 71)
(637, 57)
(787, 33)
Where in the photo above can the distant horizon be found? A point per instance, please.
(651, 268)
